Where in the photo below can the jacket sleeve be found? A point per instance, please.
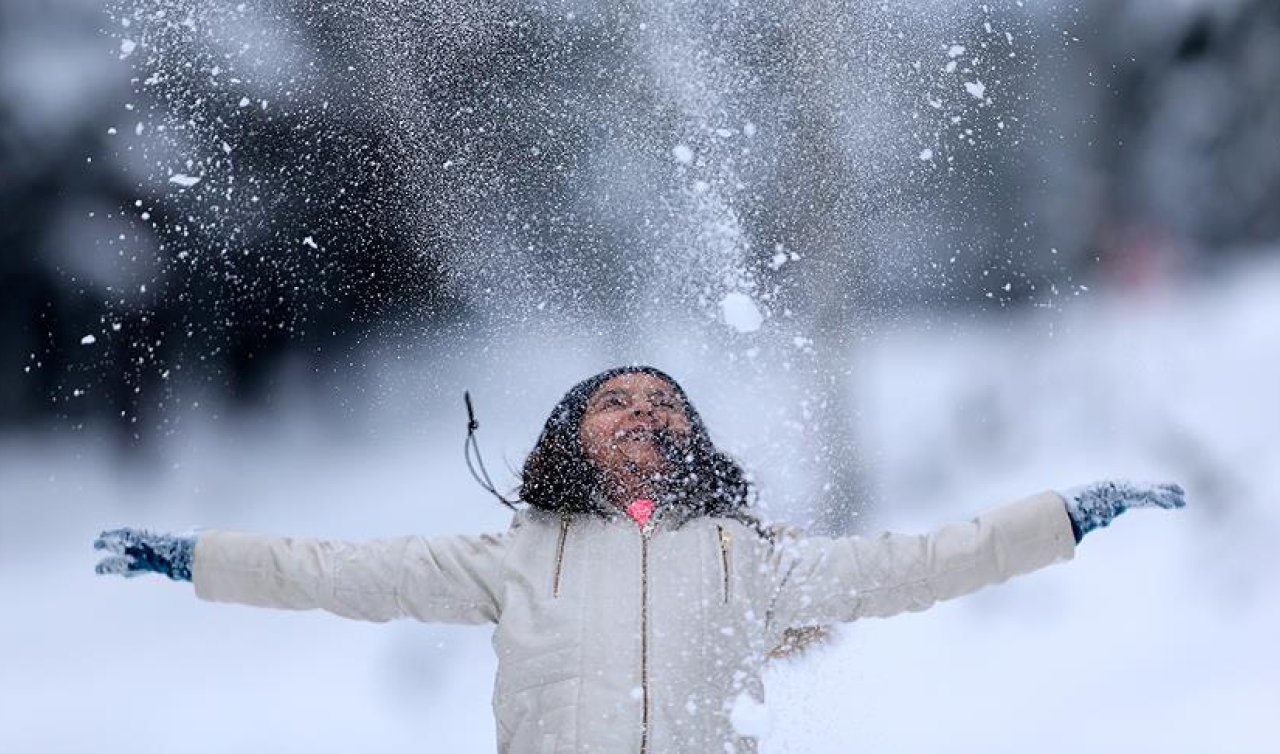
(824, 580)
(446, 579)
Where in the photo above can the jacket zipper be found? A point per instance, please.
(644, 639)
(726, 544)
(564, 534)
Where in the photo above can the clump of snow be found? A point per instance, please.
(88, 340)
(740, 312)
(184, 180)
(682, 153)
(750, 717)
(926, 154)
(976, 88)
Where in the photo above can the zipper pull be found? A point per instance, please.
(726, 542)
(564, 534)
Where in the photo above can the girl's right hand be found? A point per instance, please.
(137, 551)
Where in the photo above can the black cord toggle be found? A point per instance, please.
(473, 447)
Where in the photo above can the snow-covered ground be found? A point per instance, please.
(1160, 636)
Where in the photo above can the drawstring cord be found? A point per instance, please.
(472, 447)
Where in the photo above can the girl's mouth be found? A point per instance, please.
(637, 434)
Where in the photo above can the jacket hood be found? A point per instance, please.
(568, 413)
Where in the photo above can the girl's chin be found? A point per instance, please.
(651, 470)
(644, 464)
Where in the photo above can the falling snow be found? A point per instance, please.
(741, 313)
(368, 204)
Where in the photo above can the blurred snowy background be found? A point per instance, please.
(911, 260)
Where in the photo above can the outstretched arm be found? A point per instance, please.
(445, 579)
(825, 580)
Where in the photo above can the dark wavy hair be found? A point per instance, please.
(558, 477)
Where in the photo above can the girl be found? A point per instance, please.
(636, 596)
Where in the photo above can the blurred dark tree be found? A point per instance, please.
(321, 257)
(1189, 128)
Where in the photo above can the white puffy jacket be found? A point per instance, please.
(613, 639)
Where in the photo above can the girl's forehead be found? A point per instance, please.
(636, 382)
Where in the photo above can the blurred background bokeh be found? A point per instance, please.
(910, 259)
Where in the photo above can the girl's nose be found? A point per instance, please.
(642, 406)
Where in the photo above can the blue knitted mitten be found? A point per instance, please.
(136, 551)
(1092, 506)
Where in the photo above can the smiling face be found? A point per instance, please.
(625, 419)
(625, 434)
